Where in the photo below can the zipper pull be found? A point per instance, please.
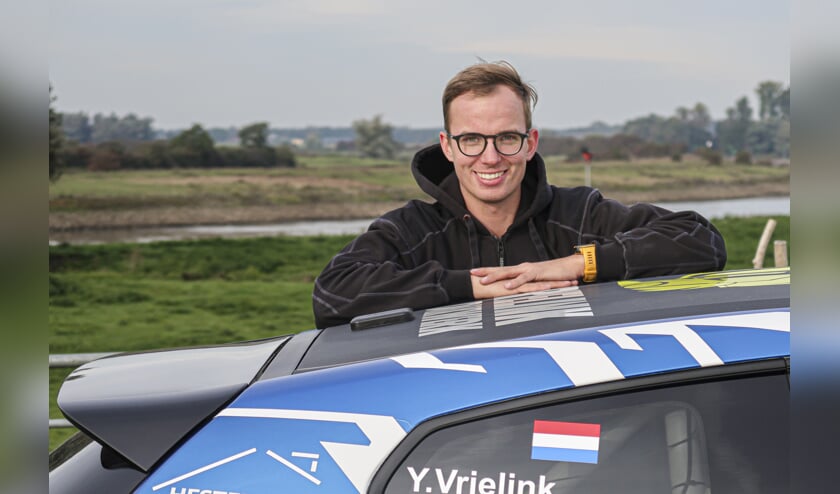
(501, 252)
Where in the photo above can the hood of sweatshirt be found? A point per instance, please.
(435, 175)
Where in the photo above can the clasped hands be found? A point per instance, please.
(526, 277)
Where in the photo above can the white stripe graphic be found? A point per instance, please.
(358, 461)
(425, 360)
(294, 467)
(584, 362)
(690, 340)
(565, 441)
(298, 454)
(205, 468)
(587, 363)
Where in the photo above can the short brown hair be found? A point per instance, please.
(482, 78)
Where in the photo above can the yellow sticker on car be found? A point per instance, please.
(722, 279)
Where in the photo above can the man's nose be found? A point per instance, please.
(490, 154)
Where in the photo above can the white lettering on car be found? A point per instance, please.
(451, 483)
(512, 309)
(560, 302)
(445, 485)
(193, 490)
(204, 469)
(445, 319)
(417, 478)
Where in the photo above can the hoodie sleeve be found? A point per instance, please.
(646, 240)
(376, 272)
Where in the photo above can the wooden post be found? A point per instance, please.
(780, 253)
(758, 260)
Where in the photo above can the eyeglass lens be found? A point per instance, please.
(474, 144)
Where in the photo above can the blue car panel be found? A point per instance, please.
(330, 430)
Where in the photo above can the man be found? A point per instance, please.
(497, 227)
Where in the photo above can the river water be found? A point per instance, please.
(754, 206)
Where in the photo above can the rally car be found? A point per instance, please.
(661, 385)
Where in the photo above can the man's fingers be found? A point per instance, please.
(492, 275)
(519, 281)
(536, 286)
(479, 271)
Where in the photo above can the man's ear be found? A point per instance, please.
(446, 145)
(531, 141)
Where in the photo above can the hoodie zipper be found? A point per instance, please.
(499, 241)
(501, 252)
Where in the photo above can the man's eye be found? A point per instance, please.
(472, 139)
(508, 139)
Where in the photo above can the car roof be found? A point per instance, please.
(564, 309)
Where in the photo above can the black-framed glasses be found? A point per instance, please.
(473, 144)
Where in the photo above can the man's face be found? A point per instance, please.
(489, 179)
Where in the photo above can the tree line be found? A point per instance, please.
(688, 130)
(739, 135)
(110, 142)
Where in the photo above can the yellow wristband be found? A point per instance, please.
(590, 266)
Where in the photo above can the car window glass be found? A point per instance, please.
(726, 436)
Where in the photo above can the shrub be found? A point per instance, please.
(176, 153)
(285, 156)
(149, 155)
(75, 155)
(194, 148)
(711, 156)
(614, 147)
(243, 157)
(106, 156)
(743, 157)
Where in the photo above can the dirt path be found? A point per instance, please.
(181, 216)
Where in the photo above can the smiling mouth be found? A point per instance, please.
(489, 176)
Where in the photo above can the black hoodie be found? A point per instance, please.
(419, 255)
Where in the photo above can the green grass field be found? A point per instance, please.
(124, 297)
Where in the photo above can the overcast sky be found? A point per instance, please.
(329, 62)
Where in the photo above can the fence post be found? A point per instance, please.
(758, 260)
(60, 424)
(780, 254)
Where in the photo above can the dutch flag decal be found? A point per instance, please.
(565, 441)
